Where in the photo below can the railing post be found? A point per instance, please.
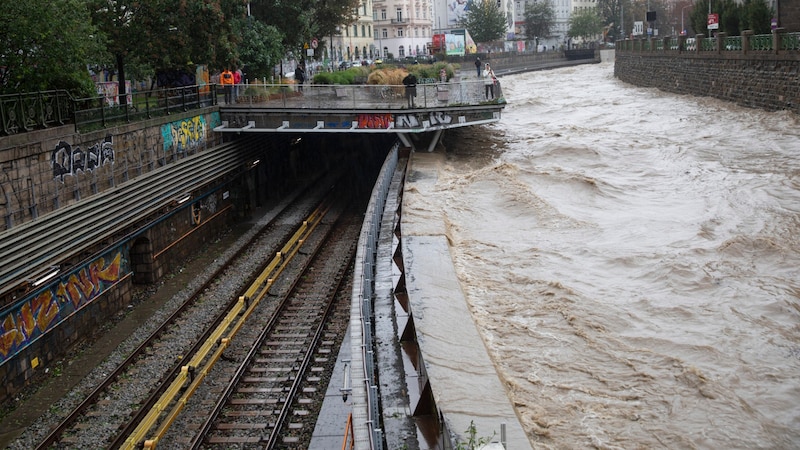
(698, 42)
(721, 41)
(681, 43)
(776, 39)
(665, 43)
(746, 41)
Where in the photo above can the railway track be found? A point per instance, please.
(116, 401)
(274, 395)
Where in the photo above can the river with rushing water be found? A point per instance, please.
(632, 260)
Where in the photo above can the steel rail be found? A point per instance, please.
(91, 399)
(303, 368)
(243, 309)
(269, 328)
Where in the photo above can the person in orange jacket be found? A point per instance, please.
(226, 80)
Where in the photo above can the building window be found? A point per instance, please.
(385, 33)
(401, 52)
(383, 14)
(363, 30)
(399, 14)
(399, 32)
(355, 30)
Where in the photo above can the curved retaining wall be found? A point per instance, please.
(769, 81)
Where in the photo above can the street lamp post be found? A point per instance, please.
(683, 29)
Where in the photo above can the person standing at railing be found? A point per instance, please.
(237, 80)
(410, 81)
(299, 77)
(488, 81)
(226, 80)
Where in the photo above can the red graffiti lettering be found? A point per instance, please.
(374, 121)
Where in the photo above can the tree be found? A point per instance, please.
(610, 12)
(585, 24)
(167, 34)
(756, 15)
(46, 46)
(728, 16)
(300, 20)
(539, 19)
(261, 47)
(484, 21)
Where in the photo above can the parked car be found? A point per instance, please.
(344, 65)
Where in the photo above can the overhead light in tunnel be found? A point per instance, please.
(295, 141)
(255, 163)
(185, 199)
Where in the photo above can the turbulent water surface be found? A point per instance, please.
(631, 259)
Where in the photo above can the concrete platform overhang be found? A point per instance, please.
(403, 121)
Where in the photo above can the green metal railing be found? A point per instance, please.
(784, 42)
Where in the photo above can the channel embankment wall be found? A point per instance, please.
(765, 80)
(50, 171)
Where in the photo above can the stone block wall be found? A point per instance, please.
(766, 81)
(44, 170)
(770, 83)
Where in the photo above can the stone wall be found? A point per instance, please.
(45, 170)
(764, 80)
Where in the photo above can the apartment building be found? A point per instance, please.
(356, 41)
(403, 27)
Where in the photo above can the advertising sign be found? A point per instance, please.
(713, 21)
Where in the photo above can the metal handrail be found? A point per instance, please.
(778, 41)
(27, 111)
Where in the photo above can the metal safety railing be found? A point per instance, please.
(777, 42)
(25, 112)
(108, 110)
(367, 432)
(455, 92)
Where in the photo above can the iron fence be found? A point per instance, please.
(104, 111)
(29, 111)
(778, 41)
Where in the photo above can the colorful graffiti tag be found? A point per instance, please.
(375, 121)
(67, 160)
(412, 121)
(32, 317)
(182, 135)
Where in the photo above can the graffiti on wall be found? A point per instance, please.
(32, 317)
(110, 91)
(374, 121)
(182, 135)
(68, 160)
(412, 120)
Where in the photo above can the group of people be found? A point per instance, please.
(230, 82)
(489, 79)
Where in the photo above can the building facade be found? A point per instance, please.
(403, 28)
